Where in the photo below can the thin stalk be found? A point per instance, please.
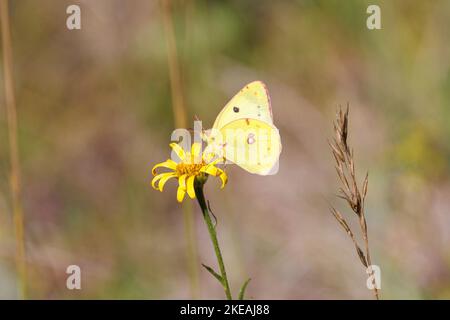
(179, 115)
(178, 105)
(192, 255)
(20, 255)
(350, 192)
(213, 235)
(369, 259)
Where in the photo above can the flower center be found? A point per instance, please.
(191, 169)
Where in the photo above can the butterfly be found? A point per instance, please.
(243, 132)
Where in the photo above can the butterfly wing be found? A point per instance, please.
(252, 144)
(252, 102)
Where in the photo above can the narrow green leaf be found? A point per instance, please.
(242, 291)
(215, 274)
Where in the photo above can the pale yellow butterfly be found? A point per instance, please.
(244, 132)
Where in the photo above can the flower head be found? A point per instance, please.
(192, 168)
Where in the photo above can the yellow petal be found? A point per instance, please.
(170, 164)
(180, 194)
(178, 150)
(212, 152)
(214, 171)
(182, 181)
(195, 152)
(164, 179)
(211, 170)
(223, 176)
(216, 161)
(208, 156)
(190, 187)
(158, 177)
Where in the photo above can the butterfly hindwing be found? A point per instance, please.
(253, 145)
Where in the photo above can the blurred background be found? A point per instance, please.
(95, 114)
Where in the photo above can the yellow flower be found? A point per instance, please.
(193, 168)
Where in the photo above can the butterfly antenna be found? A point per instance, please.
(214, 216)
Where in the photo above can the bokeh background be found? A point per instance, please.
(95, 113)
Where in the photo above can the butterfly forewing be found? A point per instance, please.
(251, 102)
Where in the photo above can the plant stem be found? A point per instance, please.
(213, 235)
(369, 260)
(13, 148)
(178, 105)
(191, 253)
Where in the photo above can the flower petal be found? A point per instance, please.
(216, 172)
(178, 150)
(169, 164)
(164, 179)
(181, 187)
(180, 194)
(196, 152)
(190, 187)
(216, 161)
(182, 181)
(212, 152)
(208, 156)
(158, 177)
(211, 170)
(223, 176)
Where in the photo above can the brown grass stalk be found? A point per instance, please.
(178, 104)
(180, 114)
(353, 195)
(10, 100)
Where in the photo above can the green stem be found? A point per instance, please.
(213, 235)
(192, 256)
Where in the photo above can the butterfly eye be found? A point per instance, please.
(236, 109)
